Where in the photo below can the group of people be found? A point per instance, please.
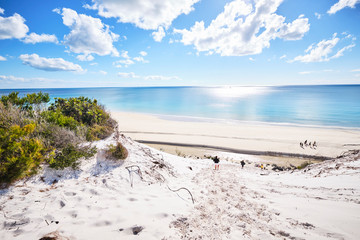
(308, 144)
(217, 161)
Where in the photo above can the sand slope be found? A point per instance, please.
(97, 202)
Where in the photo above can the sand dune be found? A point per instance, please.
(320, 202)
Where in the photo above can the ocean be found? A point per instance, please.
(325, 105)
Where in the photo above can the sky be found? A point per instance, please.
(122, 43)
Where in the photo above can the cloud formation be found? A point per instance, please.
(145, 14)
(243, 29)
(2, 58)
(49, 64)
(342, 4)
(322, 51)
(159, 35)
(148, 78)
(127, 75)
(127, 61)
(36, 38)
(12, 27)
(15, 27)
(88, 35)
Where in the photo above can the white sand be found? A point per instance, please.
(97, 202)
(238, 136)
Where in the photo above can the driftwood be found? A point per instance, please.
(192, 198)
(134, 169)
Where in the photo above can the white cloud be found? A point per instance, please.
(36, 38)
(57, 10)
(85, 57)
(159, 35)
(243, 29)
(145, 14)
(148, 78)
(102, 72)
(127, 61)
(342, 4)
(13, 27)
(143, 53)
(251, 59)
(88, 35)
(123, 63)
(161, 78)
(127, 75)
(305, 72)
(140, 59)
(2, 58)
(49, 64)
(341, 51)
(283, 56)
(355, 70)
(322, 51)
(125, 54)
(317, 15)
(316, 72)
(11, 79)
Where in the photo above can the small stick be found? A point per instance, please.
(184, 189)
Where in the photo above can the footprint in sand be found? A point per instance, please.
(94, 192)
(70, 194)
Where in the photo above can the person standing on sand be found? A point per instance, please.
(242, 163)
(216, 161)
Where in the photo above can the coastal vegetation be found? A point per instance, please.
(31, 133)
(117, 152)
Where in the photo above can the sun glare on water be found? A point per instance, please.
(239, 92)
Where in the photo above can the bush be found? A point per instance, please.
(11, 115)
(30, 134)
(20, 155)
(98, 132)
(118, 152)
(59, 119)
(304, 165)
(70, 156)
(26, 103)
(82, 109)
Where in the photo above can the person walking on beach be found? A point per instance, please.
(242, 163)
(216, 161)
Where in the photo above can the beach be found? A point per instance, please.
(196, 136)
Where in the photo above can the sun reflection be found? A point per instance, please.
(239, 92)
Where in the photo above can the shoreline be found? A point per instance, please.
(237, 151)
(259, 139)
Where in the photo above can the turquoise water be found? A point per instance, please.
(332, 105)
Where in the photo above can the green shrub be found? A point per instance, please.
(60, 119)
(82, 109)
(30, 134)
(20, 155)
(117, 152)
(98, 132)
(26, 103)
(304, 165)
(70, 155)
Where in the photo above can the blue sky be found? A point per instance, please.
(120, 43)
